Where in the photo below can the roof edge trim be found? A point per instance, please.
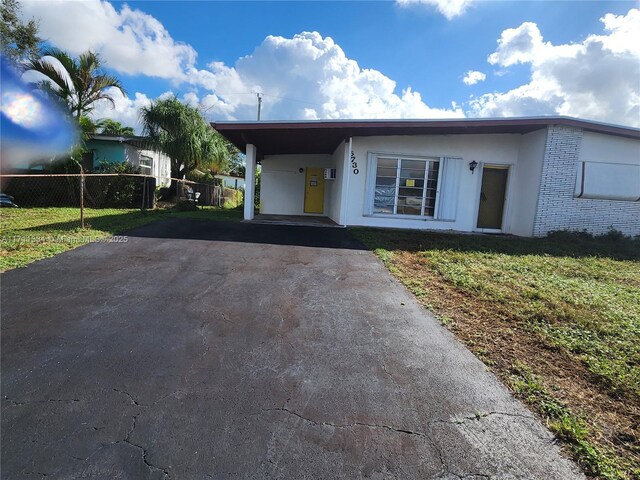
(590, 125)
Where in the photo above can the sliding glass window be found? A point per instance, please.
(405, 186)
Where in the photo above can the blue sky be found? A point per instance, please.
(414, 46)
(549, 60)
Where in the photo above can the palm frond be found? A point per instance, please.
(56, 74)
(80, 82)
(61, 56)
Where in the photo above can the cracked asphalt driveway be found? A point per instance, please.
(216, 350)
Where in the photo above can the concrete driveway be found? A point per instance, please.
(212, 350)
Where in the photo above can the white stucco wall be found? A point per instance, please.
(230, 182)
(161, 166)
(162, 169)
(494, 149)
(333, 188)
(526, 182)
(131, 154)
(282, 184)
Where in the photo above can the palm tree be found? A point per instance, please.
(115, 128)
(78, 82)
(181, 132)
(88, 127)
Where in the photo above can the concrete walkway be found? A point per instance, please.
(212, 350)
(294, 220)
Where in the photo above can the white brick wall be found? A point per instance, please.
(558, 209)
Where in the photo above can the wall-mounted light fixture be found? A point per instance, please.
(472, 166)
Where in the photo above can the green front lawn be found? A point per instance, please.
(30, 234)
(558, 319)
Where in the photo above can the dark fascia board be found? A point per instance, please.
(241, 133)
(116, 138)
(323, 136)
(453, 122)
(135, 141)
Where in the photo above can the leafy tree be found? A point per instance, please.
(18, 40)
(89, 126)
(78, 82)
(236, 163)
(181, 132)
(115, 128)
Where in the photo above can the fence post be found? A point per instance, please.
(81, 197)
(144, 188)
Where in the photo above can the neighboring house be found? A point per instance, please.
(112, 149)
(523, 176)
(231, 181)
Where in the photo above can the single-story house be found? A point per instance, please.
(131, 149)
(231, 181)
(522, 176)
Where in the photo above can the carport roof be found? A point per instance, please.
(323, 136)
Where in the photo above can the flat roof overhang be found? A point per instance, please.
(136, 141)
(323, 136)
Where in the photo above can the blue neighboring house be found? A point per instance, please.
(131, 149)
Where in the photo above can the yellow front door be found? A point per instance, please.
(314, 190)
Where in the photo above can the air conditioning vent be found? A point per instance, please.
(329, 173)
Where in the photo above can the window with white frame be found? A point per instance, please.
(146, 164)
(405, 186)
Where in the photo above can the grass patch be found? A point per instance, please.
(558, 319)
(30, 234)
(572, 429)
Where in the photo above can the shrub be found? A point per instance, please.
(115, 192)
(232, 198)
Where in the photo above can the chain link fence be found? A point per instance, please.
(108, 190)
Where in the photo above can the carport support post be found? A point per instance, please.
(250, 181)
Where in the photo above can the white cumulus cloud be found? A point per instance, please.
(307, 76)
(129, 40)
(595, 79)
(473, 76)
(448, 8)
(125, 109)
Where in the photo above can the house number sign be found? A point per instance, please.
(354, 164)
